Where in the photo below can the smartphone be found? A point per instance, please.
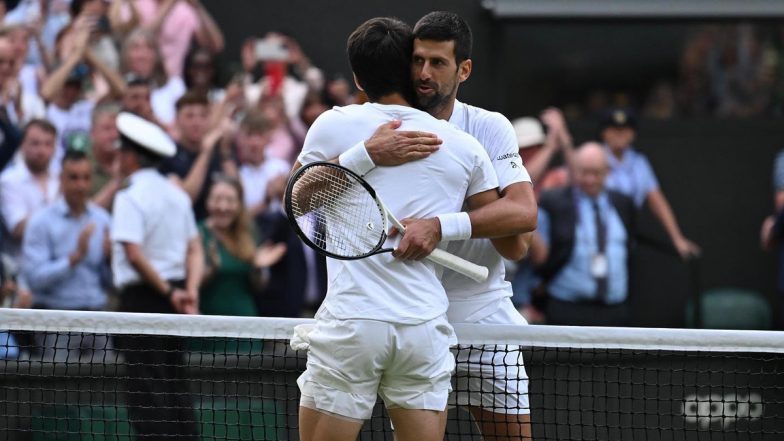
(269, 49)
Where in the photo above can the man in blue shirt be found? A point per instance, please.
(632, 175)
(65, 250)
(582, 246)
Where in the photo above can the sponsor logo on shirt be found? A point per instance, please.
(507, 156)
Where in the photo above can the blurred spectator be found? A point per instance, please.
(140, 56)
(287, 134)
(275, 67)
(311, 110)
(65, 257)
(137, 98)
(257, 169)
(772, 234)
(104, 140)
(29, 184)
(175, 24)
(93, 14)
(538, 151)
(25, 187)
(42, 20)
(338, 93)
(20, 104)
(200, 152)
(157, 262)
(201, 75)
(69, 109)
(235, 271)
(582, 246)
(661, 102)
(66, 244)
(632, 175)
(233, 265)
(28, 74)
(740, 81)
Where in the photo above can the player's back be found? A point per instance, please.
(382, 287)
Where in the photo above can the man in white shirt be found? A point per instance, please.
(29, 184)
(259, 169)
(157, 263)
(441, 61)
(382, 327)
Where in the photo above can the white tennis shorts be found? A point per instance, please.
(350, 362)
(492, 377)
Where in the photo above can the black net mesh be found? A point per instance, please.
(81, 386)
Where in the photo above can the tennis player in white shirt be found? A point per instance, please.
(494, 378)
(382, 328)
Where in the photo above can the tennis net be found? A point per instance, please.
(113, 376)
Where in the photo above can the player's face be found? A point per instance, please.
(436, 73)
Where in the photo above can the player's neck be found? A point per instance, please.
(394, 98)
(444, 111)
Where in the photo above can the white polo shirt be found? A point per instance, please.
(157, 215)
(381, 287)
(495, 133)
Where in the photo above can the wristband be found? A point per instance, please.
(357, 159)
(455, 226)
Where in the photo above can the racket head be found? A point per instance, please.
(335, 212)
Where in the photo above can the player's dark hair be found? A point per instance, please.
(446, 26)
(379, 52)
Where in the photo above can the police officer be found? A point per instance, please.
(157, 261)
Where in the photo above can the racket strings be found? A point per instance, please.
(336, 212)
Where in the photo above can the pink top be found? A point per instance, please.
(176, 32)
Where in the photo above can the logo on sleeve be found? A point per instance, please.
(507, 156)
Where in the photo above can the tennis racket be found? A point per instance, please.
(338, 214)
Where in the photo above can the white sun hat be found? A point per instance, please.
(529, 132)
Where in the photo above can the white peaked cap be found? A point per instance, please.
(146, 134)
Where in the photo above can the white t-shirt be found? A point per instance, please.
(381, 287)
(156, 215)
(255, 178)
(164, 99)
(76, 119)
(497, 136)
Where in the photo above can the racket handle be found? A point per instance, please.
(457, 264)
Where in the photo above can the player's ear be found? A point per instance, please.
(464, 70)
(356, 82)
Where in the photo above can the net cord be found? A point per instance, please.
(701, 340)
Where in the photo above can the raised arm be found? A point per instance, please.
(209, 34)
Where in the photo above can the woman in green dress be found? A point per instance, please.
(234, 265)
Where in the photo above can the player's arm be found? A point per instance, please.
(507, 221)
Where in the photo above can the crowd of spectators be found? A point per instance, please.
(724, 70)
(69, 68)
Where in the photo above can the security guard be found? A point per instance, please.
(157, 261)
